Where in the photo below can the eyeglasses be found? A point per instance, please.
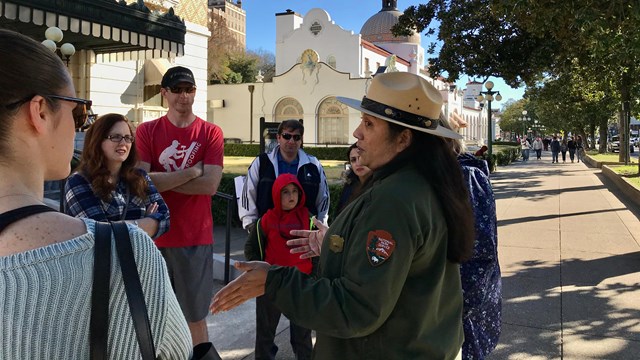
(288, 137)
(80, 112)
(180, 89)
(117, 138)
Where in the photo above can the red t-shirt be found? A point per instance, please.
(169, 148)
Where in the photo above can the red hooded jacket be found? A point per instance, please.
(276, 223)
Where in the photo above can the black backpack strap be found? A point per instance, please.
(14, 215)
(99, 323)
(133, 289)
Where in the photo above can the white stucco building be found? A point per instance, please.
(122, 49)
(317, 60)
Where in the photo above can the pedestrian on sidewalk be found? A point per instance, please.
(108, 187)
(579, 148)
(525, 147)
(287, 157)
(545, 143)
(537, 146)
(563, 150)
(268, 242)
(183, 155)
(571, 145)
(480, 275)
(374, 286)
(481, 151)
(555, 149)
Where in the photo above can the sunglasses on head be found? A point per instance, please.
(288, 137)
(182, 89)
(80, 112)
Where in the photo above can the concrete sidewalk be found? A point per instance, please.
(569, 249)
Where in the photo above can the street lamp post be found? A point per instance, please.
(251, 88)
(488, 95)
(54, 35)
(525, 119)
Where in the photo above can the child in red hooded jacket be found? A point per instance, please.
(267, 242)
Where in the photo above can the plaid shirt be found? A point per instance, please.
(80, 201)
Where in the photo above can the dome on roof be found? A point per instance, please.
(378, 28)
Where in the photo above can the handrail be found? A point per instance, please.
(227, 239)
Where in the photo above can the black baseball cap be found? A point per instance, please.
(176, 75)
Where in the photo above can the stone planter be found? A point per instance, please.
(631, 192)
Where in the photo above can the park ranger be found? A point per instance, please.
(389, 283)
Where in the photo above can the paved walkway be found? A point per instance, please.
(570, 256)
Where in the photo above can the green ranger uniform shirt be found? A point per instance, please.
(386, 289)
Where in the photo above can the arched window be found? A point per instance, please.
(288, 108)
(333, 122)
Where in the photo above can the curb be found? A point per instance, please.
(628, 189)
(599, 164)
(218, 268)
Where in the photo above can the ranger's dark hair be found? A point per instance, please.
(435, 159)
(27, 69)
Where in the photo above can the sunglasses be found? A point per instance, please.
(117, 138)
(288, 137)
(180, 90)
(80, 112)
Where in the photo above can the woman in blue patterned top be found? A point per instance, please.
(108, 186)
(481, 278)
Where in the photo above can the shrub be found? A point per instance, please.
(253, 150)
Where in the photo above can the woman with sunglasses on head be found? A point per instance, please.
(46, 258)
(108, 186)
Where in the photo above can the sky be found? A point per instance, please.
(349, 14)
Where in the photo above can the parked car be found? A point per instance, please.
(613, 145)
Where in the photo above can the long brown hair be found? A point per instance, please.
(94, 165)
(435, 159)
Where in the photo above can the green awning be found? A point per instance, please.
(104, 26)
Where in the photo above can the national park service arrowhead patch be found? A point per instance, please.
(380, 246)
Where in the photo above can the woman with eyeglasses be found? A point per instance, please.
(108, 186)
(46, 258)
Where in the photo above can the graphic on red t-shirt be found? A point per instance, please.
(175, 153)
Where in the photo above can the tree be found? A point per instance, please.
(530, 40)
(221, 44)
(266, 62)
(476, 42)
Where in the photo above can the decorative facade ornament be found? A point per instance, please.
(259, 77)
(315, 28)
(390, 63)
(309, 65)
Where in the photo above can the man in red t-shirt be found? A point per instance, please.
(183, 155)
